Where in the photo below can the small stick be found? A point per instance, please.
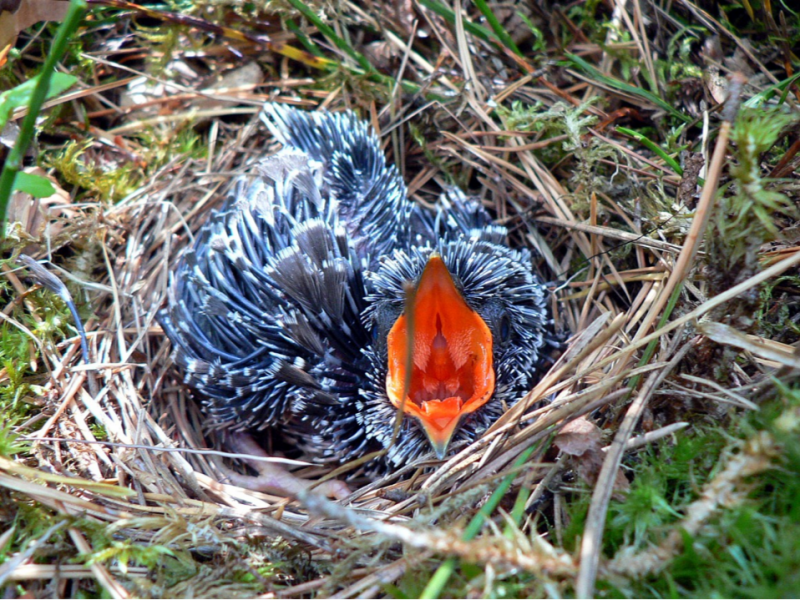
(704, 206)
(595, 521)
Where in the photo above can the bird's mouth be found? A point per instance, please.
(451, 357)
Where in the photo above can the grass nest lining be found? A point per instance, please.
(660, 320)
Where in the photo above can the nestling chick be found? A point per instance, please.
(289, 310)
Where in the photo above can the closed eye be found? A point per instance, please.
(505, 328)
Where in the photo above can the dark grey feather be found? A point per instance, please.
(278, 313)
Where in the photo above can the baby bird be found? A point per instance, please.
(319, 301)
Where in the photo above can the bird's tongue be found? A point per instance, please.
(440, 413)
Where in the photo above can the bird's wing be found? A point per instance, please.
(264, 308)
(370, 194)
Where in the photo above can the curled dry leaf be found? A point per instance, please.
(583, 441)
(240, 81)
(16, 15)
(579, 436)
(35, 214)
(382, 55)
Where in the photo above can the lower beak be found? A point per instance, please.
(439, 420)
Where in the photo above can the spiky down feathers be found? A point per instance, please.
(279, 311)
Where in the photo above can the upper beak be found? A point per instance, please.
(440, 368)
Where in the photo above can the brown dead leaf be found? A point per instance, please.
(382, 54)
(34, 214)
(579, 436)
(512, 17)
(16, 15)
(583, 441)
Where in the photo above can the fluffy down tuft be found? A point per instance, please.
(279, 311)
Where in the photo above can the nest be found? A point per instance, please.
(157, 479)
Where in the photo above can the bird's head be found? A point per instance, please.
(440, 363)
(458, 336)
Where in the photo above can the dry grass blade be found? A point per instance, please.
(575, 149)
(615, 234)
(781, 354)
(595, 521)
(48, 572)
(749, 284)
(537, 557)
(587, 342)
(372, 584)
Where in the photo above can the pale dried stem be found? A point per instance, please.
(595, 520)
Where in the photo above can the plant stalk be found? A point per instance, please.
(26, 132)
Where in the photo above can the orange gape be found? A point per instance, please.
(452, 373)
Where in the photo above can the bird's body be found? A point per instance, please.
(288, 310)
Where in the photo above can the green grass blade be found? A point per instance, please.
(781, 86)
(364, 68)
(445, 570)
(308, 44)
(518, 510)
(626, 87)
(440, 9)
(653, 147)
(497, 27)
(26, 131)
(328, 32)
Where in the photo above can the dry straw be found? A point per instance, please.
(149, 487)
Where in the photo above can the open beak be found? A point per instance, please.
(449, 354)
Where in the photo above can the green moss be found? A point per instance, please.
(20, 352)
(10, 444)
(162, 40)
(572, 121)
(111, 184)
(666, 477)
(775, 317)
(749, 210)
(183, 140)
(111, 181)
(750, 550)
(585, 16)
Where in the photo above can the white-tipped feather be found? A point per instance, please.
(278, 313)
